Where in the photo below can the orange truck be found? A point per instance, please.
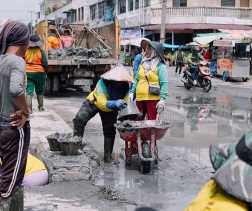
(80, 72)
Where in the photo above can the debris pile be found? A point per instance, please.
(78, 53)
(71, 161)
(110, 193)
(128, 124)
(67, 144)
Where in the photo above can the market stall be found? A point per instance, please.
(233, 59)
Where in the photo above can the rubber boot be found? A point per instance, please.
(40, 102)
(108, 149)
(29, 103)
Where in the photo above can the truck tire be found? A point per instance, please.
(52, 84)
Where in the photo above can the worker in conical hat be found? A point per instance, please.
(108, 97)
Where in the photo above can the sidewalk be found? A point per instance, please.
(44, 124)
(77, 193)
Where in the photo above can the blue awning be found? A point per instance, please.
(166, 45)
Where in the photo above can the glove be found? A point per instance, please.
(131, 97)
(121, 104)
(116, 104)
(160, 106)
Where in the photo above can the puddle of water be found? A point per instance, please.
(200, 121)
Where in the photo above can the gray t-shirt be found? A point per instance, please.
(12, 83)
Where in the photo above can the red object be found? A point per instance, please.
(67, 41)
(207, 55)
(148, 109)
(135, 137)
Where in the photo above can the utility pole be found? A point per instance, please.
(163, 20)
(31, 21)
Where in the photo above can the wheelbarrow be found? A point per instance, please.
(141, 139)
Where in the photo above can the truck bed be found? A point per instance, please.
(74, 62)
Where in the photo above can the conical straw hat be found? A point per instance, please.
(118, 73)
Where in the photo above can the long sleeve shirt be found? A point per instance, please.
(155, 77)
(102, 94)
(12, 83)
(136, 63)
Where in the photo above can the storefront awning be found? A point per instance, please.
(194, 26)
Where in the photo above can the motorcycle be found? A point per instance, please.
(197, 75)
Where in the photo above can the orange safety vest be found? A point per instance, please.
(33, 59)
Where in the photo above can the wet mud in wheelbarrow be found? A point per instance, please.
(141, 140)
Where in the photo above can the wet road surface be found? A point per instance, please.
(199, 119)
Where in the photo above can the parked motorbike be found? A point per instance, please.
(197, 75)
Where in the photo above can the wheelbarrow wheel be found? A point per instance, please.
(128, 162)
(145, 167)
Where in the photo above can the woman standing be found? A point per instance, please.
(36, 64)
(14, 115)
(150, 86)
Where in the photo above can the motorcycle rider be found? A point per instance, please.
(196, 59)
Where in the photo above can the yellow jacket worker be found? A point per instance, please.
(107, 99)
(150, 85)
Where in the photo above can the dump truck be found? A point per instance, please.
(79, 67)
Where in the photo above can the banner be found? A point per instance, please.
(225, 64)
(53, 5)
(127, 34)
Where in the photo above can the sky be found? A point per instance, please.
(18, 9)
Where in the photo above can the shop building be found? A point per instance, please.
(184, 18)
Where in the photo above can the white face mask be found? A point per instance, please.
(151, 64)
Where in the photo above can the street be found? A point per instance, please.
(96, 117)
(198, 120)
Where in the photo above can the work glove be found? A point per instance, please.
(131, 97)
(160, 106)
(116, 104)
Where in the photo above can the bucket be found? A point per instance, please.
(131, 112)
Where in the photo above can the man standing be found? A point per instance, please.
(36, 65)
(179, 61)
(67, 39)
(14, 125)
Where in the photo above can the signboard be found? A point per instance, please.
(223, 43)
(127, 34)
(225, 64)
(53, 5)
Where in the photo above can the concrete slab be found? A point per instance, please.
(61, 168)
(46, 123)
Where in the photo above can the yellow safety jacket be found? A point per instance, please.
(213, 198)
(33, 165)
(142, 89)
(99, 97)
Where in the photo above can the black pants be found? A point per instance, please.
(179, 67)
(14, 144)
(87, 112)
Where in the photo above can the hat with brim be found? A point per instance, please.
(144, 41)
(235, 175)
(158, 47)
(35, 41)
(118, 73)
